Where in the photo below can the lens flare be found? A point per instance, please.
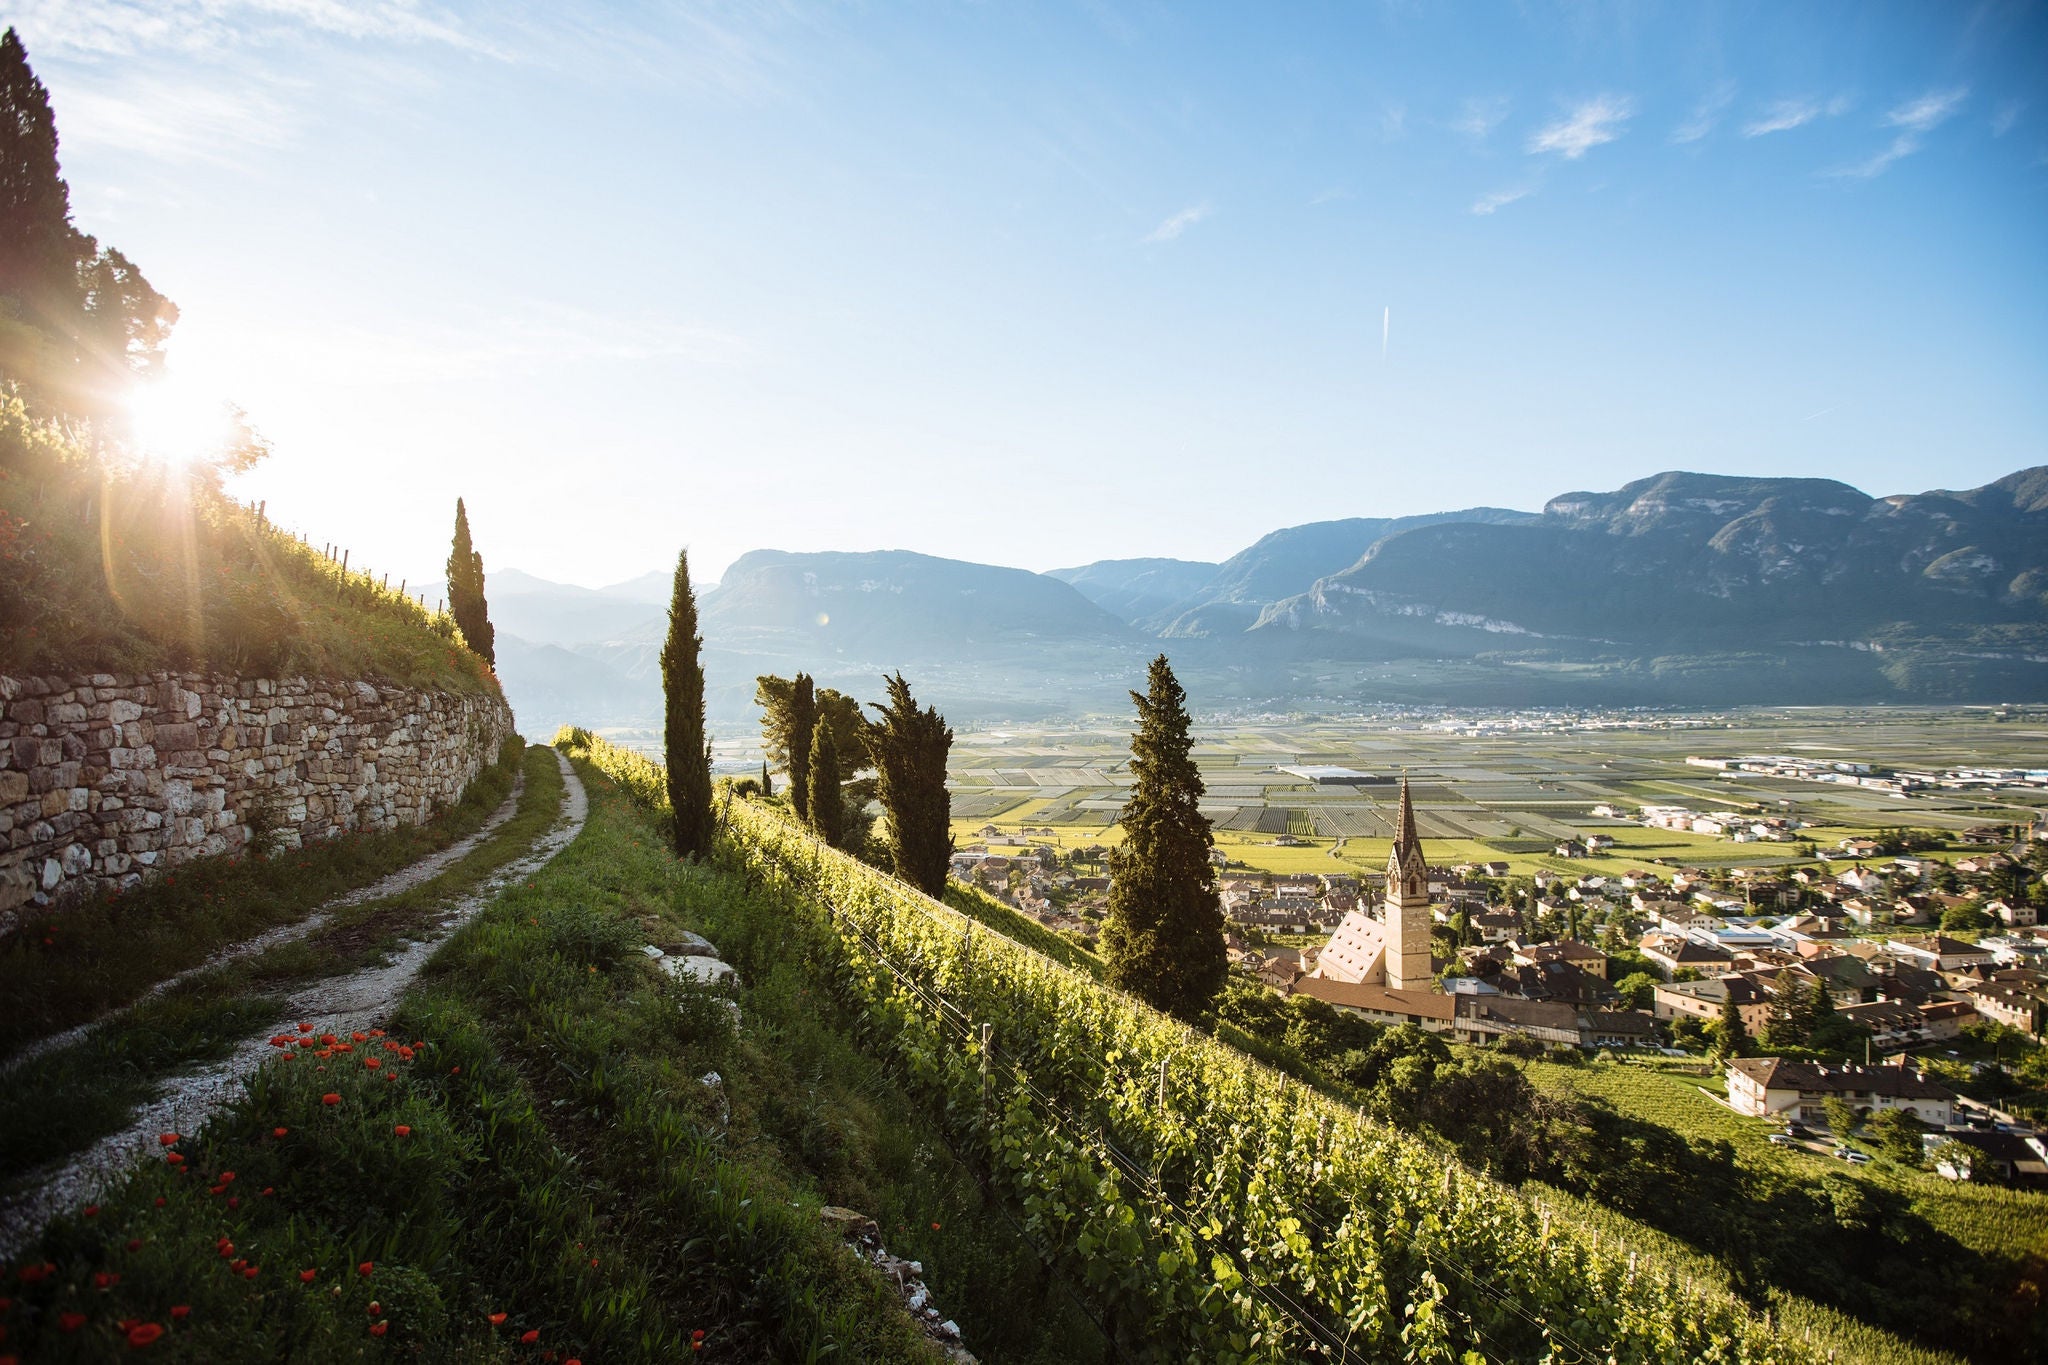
(177, 424)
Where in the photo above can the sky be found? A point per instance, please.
(1041, 284)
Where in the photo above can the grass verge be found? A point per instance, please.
(67, 968)
(63, 1101)
(550, 1151)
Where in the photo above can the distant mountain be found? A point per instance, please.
(1133, 589)
(1693, 562)
(652, 588)
(1289, 561)
(559, 613)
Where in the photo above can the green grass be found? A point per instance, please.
(565, 1165)
(979, 905)
(61, 1102)
(75, 966)
(130, 569)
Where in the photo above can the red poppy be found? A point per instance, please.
(366, 1268)
(234, 1201)
(181, 1312)
(227, 1177)
(403, 1130)
(378, 1329)
(174, 1158)
(106, 1279)
(70, 1322)
(216, 1189)
(268, 1190)
(455, 1071)
(376, 1309)
(167, 1139)
(497, 1319)
(530, 1336)
(329, 1039)
(144, 1334)
(697, 1335)
(135, 1244)
(279, 1132)
(372, 1063)
(306, 1276)
(309, 1042)
(160, 1201)
(330, 1098)
(92, 1210)
(360, 1037)
(305, 1027)
(249, 1272)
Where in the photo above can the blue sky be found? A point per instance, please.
(1043, 284)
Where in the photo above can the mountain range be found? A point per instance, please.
(1679, 589)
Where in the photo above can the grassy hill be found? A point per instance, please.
(116, 566)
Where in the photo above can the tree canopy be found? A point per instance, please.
(1162, 938)
(687, 747)
(466, 591)
(908, 747)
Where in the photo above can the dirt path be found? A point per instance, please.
(405, 879)
(343, 1004)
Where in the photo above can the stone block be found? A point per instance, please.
(13, 787)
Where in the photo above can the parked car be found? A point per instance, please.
(1798, 1130)
(1779, 1139)
(1852, 1156)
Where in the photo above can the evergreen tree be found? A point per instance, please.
(827, 812)
(1162, 939)
(767, 782)
(909, 749)
(801, 734)
(466, 591)
(39, 248)
(687, 748)
(1734, 1039)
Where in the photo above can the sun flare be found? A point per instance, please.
(178, 423)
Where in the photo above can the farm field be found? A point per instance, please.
(1490, 787)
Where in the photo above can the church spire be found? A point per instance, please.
(1404, 832)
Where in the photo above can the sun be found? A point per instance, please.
(177, 423)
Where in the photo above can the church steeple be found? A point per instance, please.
(1406, 907)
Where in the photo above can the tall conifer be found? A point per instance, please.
(39, 248)
(1162, 939)
(466, 591)
(803, 721)
(767, 782)
(827, 813)
(687, 748)
(909, 749)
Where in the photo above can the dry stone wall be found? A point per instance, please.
(106, 778)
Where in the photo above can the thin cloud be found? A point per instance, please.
(1393, 121)
(1783, 117)
(1706, 115)
(1179, 223)
(1488, 204)
(1928, 112)
(1917, 118)
(1479, 117)
(120, 28)
(2007, 116)
(1589, 124)
(175, 121)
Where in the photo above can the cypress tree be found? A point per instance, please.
(767, 782)
(39, 248)
(687, 749)
(1162, 939)
(466, 591)
(909, 748)
(803, 721)
(827, 815)
(1734, 1040)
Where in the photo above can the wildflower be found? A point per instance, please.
(167, 1139)
(249, 1272)
(309, 1042)
(305, 1027)
(234, 1201)
(697, 1335)
(935, 1227)
(403, 1130)
(329, 1039)
(181, 1312)
(279, 1132)
(360, 1036)
(367, 1268)
(144, 1334)
(376, 1309)
(531, 1335)
(372, 1062)
(306, 1276)
(70, 1322)
(455, 1071)
(159, 1201)
(227, 1177)
(173, 1158)
(135, 1244)
(330, 1098)
(267, 1191)
(497, 1319)
(92, 1210)
(378, 1329)
(105, 1279)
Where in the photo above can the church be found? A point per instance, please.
(1381, 967)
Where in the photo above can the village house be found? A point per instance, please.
(1670, 952)
(1703, 1000)
(1766, 1087)
(1941, 953)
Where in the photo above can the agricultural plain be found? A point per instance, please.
(1505, 787)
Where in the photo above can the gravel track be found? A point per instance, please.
(343, 1004)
